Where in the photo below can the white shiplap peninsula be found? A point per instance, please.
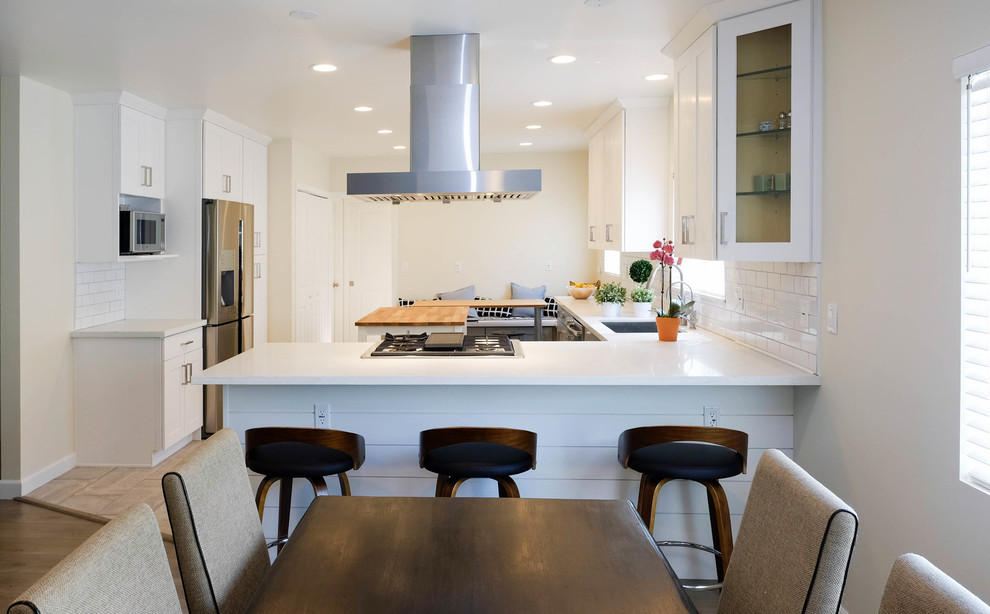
(578, 397)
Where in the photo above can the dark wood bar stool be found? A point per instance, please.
(702, 454)
(283, 453)
(459, 453)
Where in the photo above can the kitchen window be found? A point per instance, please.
(974, 465)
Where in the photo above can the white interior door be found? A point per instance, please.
(313, 269)
(369, 247)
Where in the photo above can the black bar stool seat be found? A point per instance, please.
(687, 461)
(298, 460)
(702, 454)
(477, 459)
(457, 454)
(282, 453)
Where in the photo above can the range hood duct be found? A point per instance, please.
(444, 149)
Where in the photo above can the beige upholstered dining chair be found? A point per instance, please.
(120, 569)
(915, 586)
(794, 544)
(218, 538)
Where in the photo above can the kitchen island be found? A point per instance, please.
(578, 398)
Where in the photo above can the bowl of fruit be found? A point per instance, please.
(582, 290)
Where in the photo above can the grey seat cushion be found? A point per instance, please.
(524, 292)
(120, 569)
(462, 294)
(794, 545)
(915, 586)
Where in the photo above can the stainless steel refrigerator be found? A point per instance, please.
(228, 292)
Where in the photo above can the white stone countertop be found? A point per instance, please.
(698, 358)
(140, 328)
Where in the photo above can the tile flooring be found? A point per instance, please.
(108, 491)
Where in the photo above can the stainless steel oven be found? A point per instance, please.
(570, 328)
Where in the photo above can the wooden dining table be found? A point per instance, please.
(477, 555)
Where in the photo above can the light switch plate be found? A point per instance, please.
(832, 319)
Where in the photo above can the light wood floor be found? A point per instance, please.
(108, 491)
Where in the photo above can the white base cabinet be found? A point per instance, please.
(135, 403)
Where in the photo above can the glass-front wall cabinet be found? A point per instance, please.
(765, 115)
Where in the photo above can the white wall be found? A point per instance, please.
(883, 429)
(496, 243)
(290, 163)
(44, 285)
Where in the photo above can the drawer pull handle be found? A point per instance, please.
(188, 342)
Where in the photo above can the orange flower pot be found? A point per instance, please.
(667, 328)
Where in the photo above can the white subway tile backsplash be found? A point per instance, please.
(100, 292)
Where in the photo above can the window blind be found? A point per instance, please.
(975, 394)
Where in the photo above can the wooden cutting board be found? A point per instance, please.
(421, 316)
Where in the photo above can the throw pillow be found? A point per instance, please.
(464, 294)
(524, 292)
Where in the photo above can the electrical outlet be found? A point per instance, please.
(711, 415)
(740, 307)
(322, 415)
(832, 319)
(457, 267)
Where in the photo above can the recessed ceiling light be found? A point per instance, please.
(533, 127)
(323, 67)
(362, 109)
(525, 144)
(384, 131)
(304, 14)
(562, 59)
(398, 146)
(597, 3)
(542, 103)
(656, 77)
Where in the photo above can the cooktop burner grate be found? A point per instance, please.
(415, 345)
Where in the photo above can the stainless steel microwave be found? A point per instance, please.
(142, 232)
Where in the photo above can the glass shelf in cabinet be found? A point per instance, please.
(779, 72)
(765, 133)
(765, 193)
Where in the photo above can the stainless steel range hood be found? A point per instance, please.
(444, 147)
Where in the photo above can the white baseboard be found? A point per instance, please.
(842, 610)
(49, 473)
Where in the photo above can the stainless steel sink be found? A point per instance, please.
(632, 326)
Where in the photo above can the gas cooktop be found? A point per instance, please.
(444, 345)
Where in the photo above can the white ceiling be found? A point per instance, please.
(249, 60)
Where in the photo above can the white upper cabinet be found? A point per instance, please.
(255, 191)
(627, 159)
(223, 155)
(142, 154)
(767, 203)
(693, 166)
(119, 161)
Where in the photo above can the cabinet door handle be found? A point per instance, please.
(591, 233)
(151, 177)
(686, 222)
(257, 270)
(608, 233)
(144, 175)
(721, 228)
(257, 239)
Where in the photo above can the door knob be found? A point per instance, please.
(336, 285)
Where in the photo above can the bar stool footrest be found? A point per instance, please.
(678, 544)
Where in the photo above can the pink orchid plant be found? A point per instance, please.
(663, 252)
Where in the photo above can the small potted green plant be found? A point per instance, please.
(668, 322)
(610, 296)
(642, 296)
